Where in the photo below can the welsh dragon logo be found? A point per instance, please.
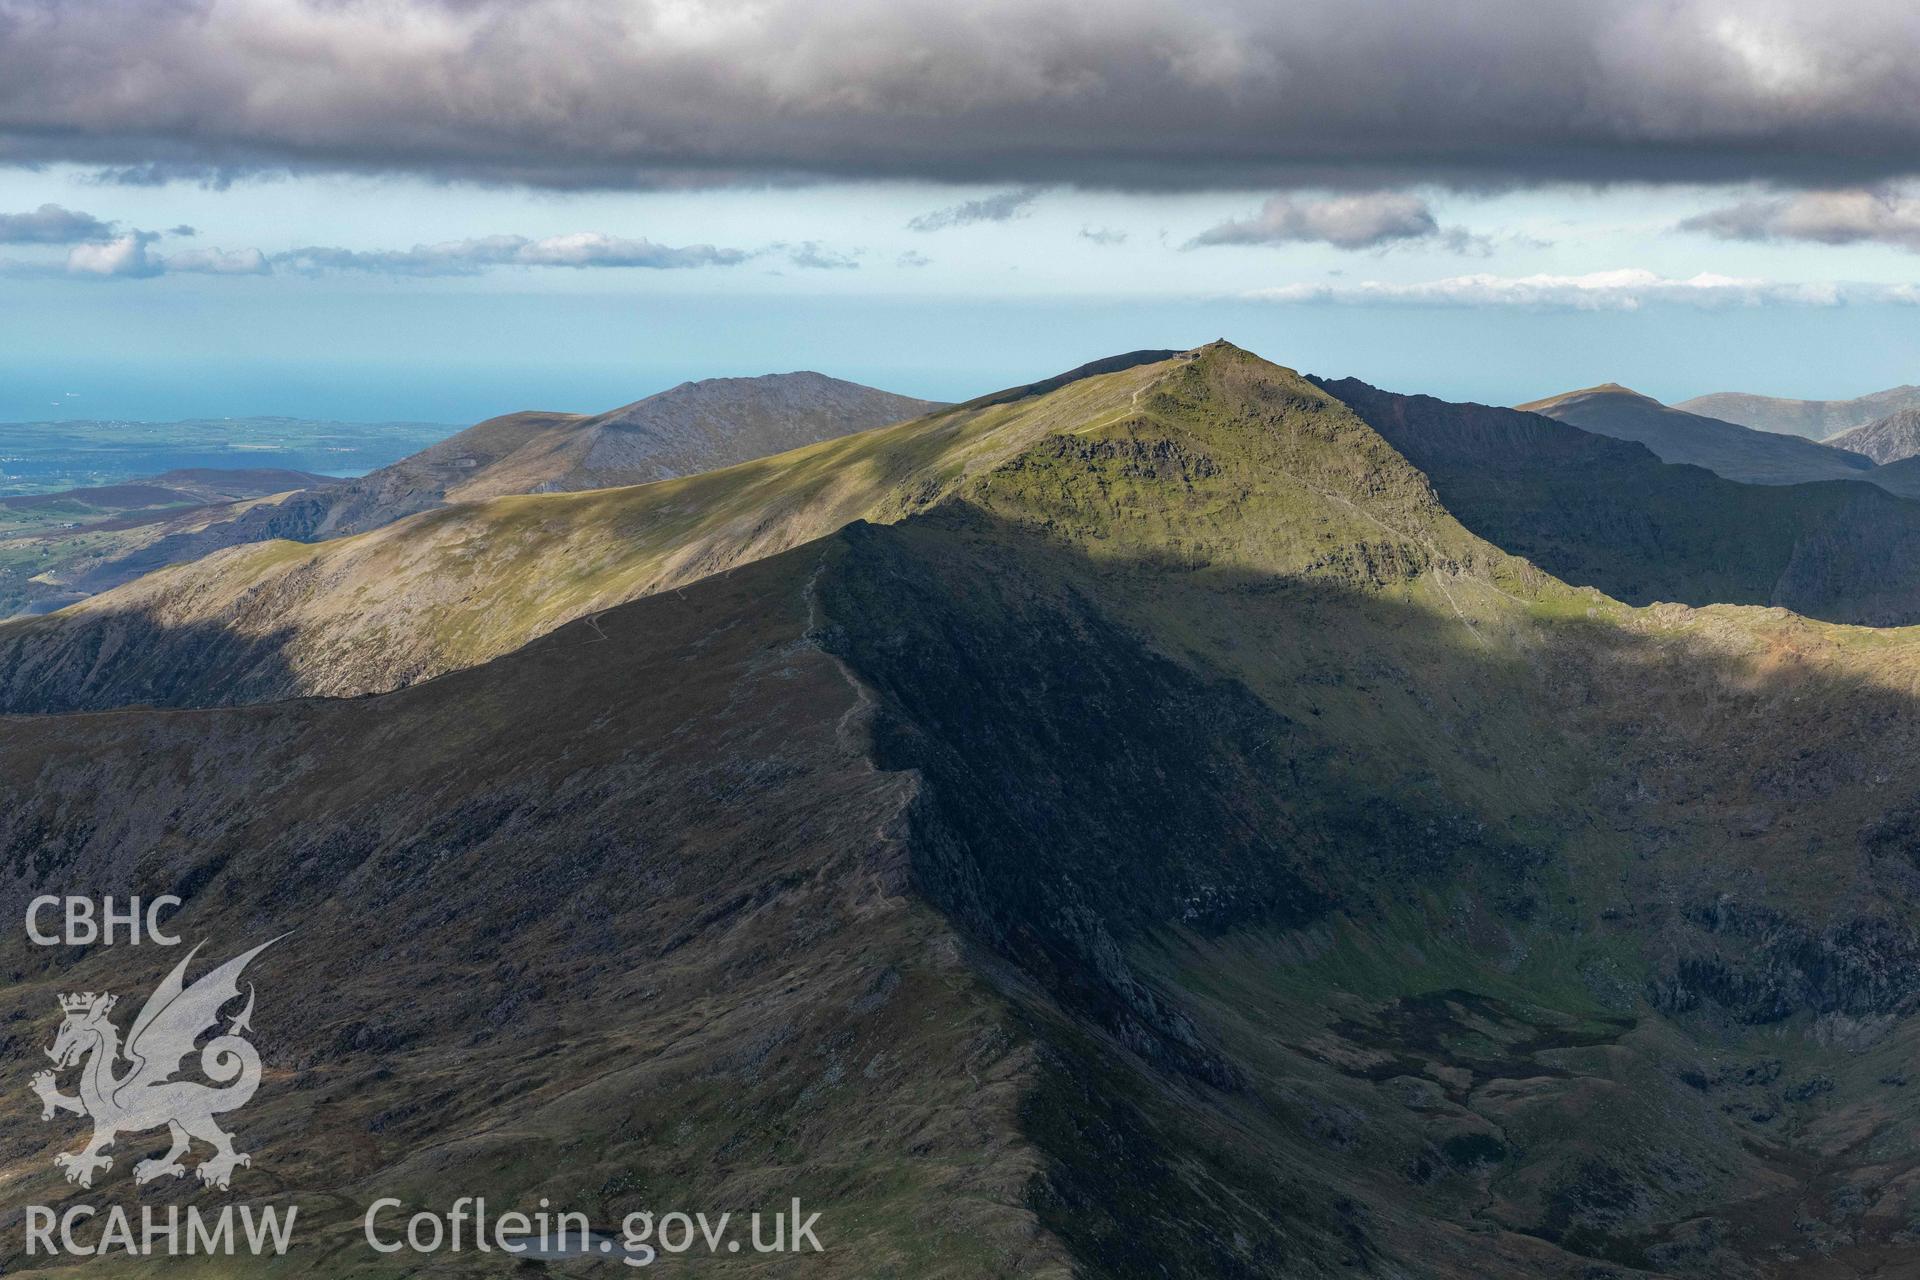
(144, 1095)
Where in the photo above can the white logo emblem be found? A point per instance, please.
(145, 1094)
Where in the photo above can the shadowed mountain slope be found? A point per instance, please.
(1607, 513)
(538, 952)
(1736, 452)
(1813, 419)
(1178, 849)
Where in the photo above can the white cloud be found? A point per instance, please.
(811, 255)
(1626, 289)
(217, 262)
(1002, 207)
(132, 257)
(1819, 217)
(594, 249)
(126, 257)
(1368, 220)
(51, 224)
(581, 249)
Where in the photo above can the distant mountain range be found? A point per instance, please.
(693, 427)
(1604, 512)
(1736, 452)
(1144, 823)
(1813, 419)
(1893, 438)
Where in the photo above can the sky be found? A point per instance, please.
(446, 209)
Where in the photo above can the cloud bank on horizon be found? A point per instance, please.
(468, 257)
(1239, 94)
(101, 250)
(1626, 289)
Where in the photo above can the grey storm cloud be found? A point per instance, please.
(1819, 217)
(1003, 206)
(1225, 94)
(51, 224)
(470, 257)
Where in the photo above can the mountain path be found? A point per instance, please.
(863, 698)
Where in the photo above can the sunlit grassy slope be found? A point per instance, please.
(456, 586)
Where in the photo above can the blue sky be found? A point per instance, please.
(420, 210)
(948, 312)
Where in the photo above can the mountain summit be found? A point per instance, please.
(694, 427)
(1604, 389)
